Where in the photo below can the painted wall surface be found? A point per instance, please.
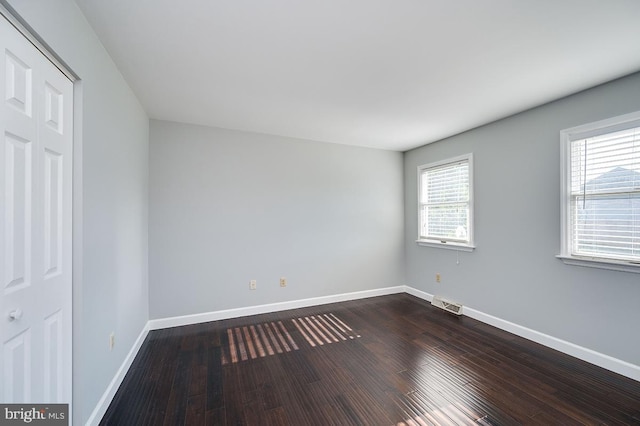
(227, 207)
(513, 274)
(223, 207)
(110, 201)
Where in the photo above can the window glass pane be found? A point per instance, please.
(608, 225)
(448, 184)
(605, 194)
(445, 202)
(606, 163)
(448, 222)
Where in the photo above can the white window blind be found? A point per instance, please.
(445, 201)
(605, 195)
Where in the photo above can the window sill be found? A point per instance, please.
(448, 246)
(597, 262)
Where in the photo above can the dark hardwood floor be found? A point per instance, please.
(390, 360)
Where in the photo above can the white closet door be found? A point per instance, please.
(35, 224)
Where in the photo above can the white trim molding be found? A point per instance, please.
(601, 360)
(459, 243)
(446, 245)
(607, 362)
(110, 392)
(419, 294)
(594, 262)
(21, 25)
(177, 321)
(569, 253)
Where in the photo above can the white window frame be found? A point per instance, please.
(448, 244)
(610, 125)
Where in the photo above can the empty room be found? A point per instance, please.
(320, 212)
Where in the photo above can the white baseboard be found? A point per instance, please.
(605, 361)
(107, 396)
(419, 293)
(111, 390)
(272, 307)
(601, 360)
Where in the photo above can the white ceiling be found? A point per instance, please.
(391, 74)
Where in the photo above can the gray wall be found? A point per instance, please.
(513, 273)
(110, 201)
(227, 207)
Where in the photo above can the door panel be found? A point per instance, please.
(52, 213)
(17, 210)
(18, 84)
(17, 368)
(35, 224)
(53, 365)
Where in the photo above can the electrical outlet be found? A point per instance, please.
(283, 282)
(253, 284)
(112, 341)
(438, 277)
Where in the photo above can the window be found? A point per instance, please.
(601, 194)
(445, 203)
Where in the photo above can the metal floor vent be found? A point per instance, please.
(454, 308)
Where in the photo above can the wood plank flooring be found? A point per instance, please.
(390, 360)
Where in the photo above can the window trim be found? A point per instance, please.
(450, 245)
(566, 242)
